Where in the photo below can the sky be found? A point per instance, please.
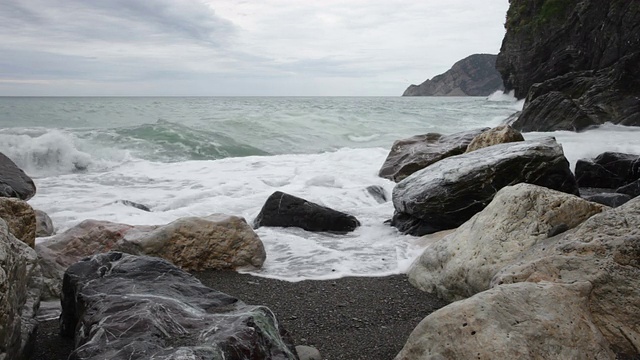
(237, 48)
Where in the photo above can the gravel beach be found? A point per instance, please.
(349, 318)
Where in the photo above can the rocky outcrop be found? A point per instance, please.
(13, 181)
(213, 242)
(416, 153)
(20, 284)
(519, 218)
(520, 321)
(475, 75)
(449, 192)
(119, 306)
(574, 61)
(44, 225)
(20, 218)
(608, 170)
(286, 210)
(498, 135)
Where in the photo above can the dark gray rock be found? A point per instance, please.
(378, 193)
(134, 204)
(286, 210)
(13, 181)
(121, 306)
(475, 75)
(632, 189)
(449, 192)
(608, 170)
(574, 60)
(415, 153)
(44, 225)
(609, 199)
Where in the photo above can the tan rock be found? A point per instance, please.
(518, 321)
(498, 135)
(20, 218)
(518, 218)
(20, 284)
(208, 243)
(604, 251)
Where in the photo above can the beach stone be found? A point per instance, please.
(20, 218)
(120, 306)
(213, 242)
(518, 321)
(286, 210)
(13, 181)
(632, 189)
(378, 193)
(134, 205)
(605, 252)
(44, 225)
(608, 170)
(497, 135)
(308, 353)
(449, 192)
(415, 153)
(609, 199)
(20, 284)
(519, 218)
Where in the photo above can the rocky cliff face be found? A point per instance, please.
(475, 75)
(576, 62)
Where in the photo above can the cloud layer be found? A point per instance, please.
(231, 47)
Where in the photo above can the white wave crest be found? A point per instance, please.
(53, 152)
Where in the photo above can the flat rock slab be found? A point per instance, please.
(286, 210)
(13, 181)
(120, 306)
(449, 192)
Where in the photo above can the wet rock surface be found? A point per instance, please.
(13, 181)
(120, 306)
(286, 210)
(449, 192)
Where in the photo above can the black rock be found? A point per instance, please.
(136, 307)
(378, 193)
(609, 199)
(13, 181)
(608, 170)
(415, 153)
(449, 192)
(632, 189)
(134, 204)
(286, 210)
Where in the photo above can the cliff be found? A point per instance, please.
(575, 62)
(475, 75)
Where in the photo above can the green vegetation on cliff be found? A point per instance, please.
(523, 15)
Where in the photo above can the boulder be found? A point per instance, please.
(13, 181)
(609, 199)
(213, 242)
(449, 192)
(44, 225)
(519, 218)
(120, 306)
(415, 153)
(475, 75)
(632, 189)
(518, 321)
(378, 193)
(286, 210)
(20, 284)
(498, 135)
(134, 205)
(20, 218)
(605, 252)
(608, 170)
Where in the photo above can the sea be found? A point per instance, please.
(195, 156)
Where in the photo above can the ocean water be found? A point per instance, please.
(198, 156)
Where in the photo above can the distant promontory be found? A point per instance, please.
(475, 75)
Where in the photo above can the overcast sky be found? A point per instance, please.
(234, 47)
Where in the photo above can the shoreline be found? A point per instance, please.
(349, 318)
